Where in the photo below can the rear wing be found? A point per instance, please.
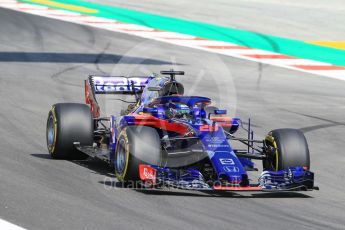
(112, 85)
(118, 84)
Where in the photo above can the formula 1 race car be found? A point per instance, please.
(168, 139)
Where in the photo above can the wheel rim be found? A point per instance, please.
(50, 132)
(121, 157)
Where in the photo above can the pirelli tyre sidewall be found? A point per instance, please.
(136, 145)
(289, 149)
(122, 157)
(68, 123)
(51, 131)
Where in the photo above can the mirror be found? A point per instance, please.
(220, 111)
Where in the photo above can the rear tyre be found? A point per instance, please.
(68, 123)
(136, 145)
(289, 149)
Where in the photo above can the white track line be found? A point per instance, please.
(115, 26)
(53, 13)
(9, 226)
(25, 6)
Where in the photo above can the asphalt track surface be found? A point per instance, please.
(44, 61)
(302, 19)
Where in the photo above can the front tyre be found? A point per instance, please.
(68, 123)
(136, 145)
(288, 148)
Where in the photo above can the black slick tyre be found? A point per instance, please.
(289, 149)
(136, 145)
(68, 123)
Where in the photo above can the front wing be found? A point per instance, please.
(291, 179)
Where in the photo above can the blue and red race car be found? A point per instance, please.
(168, 139)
